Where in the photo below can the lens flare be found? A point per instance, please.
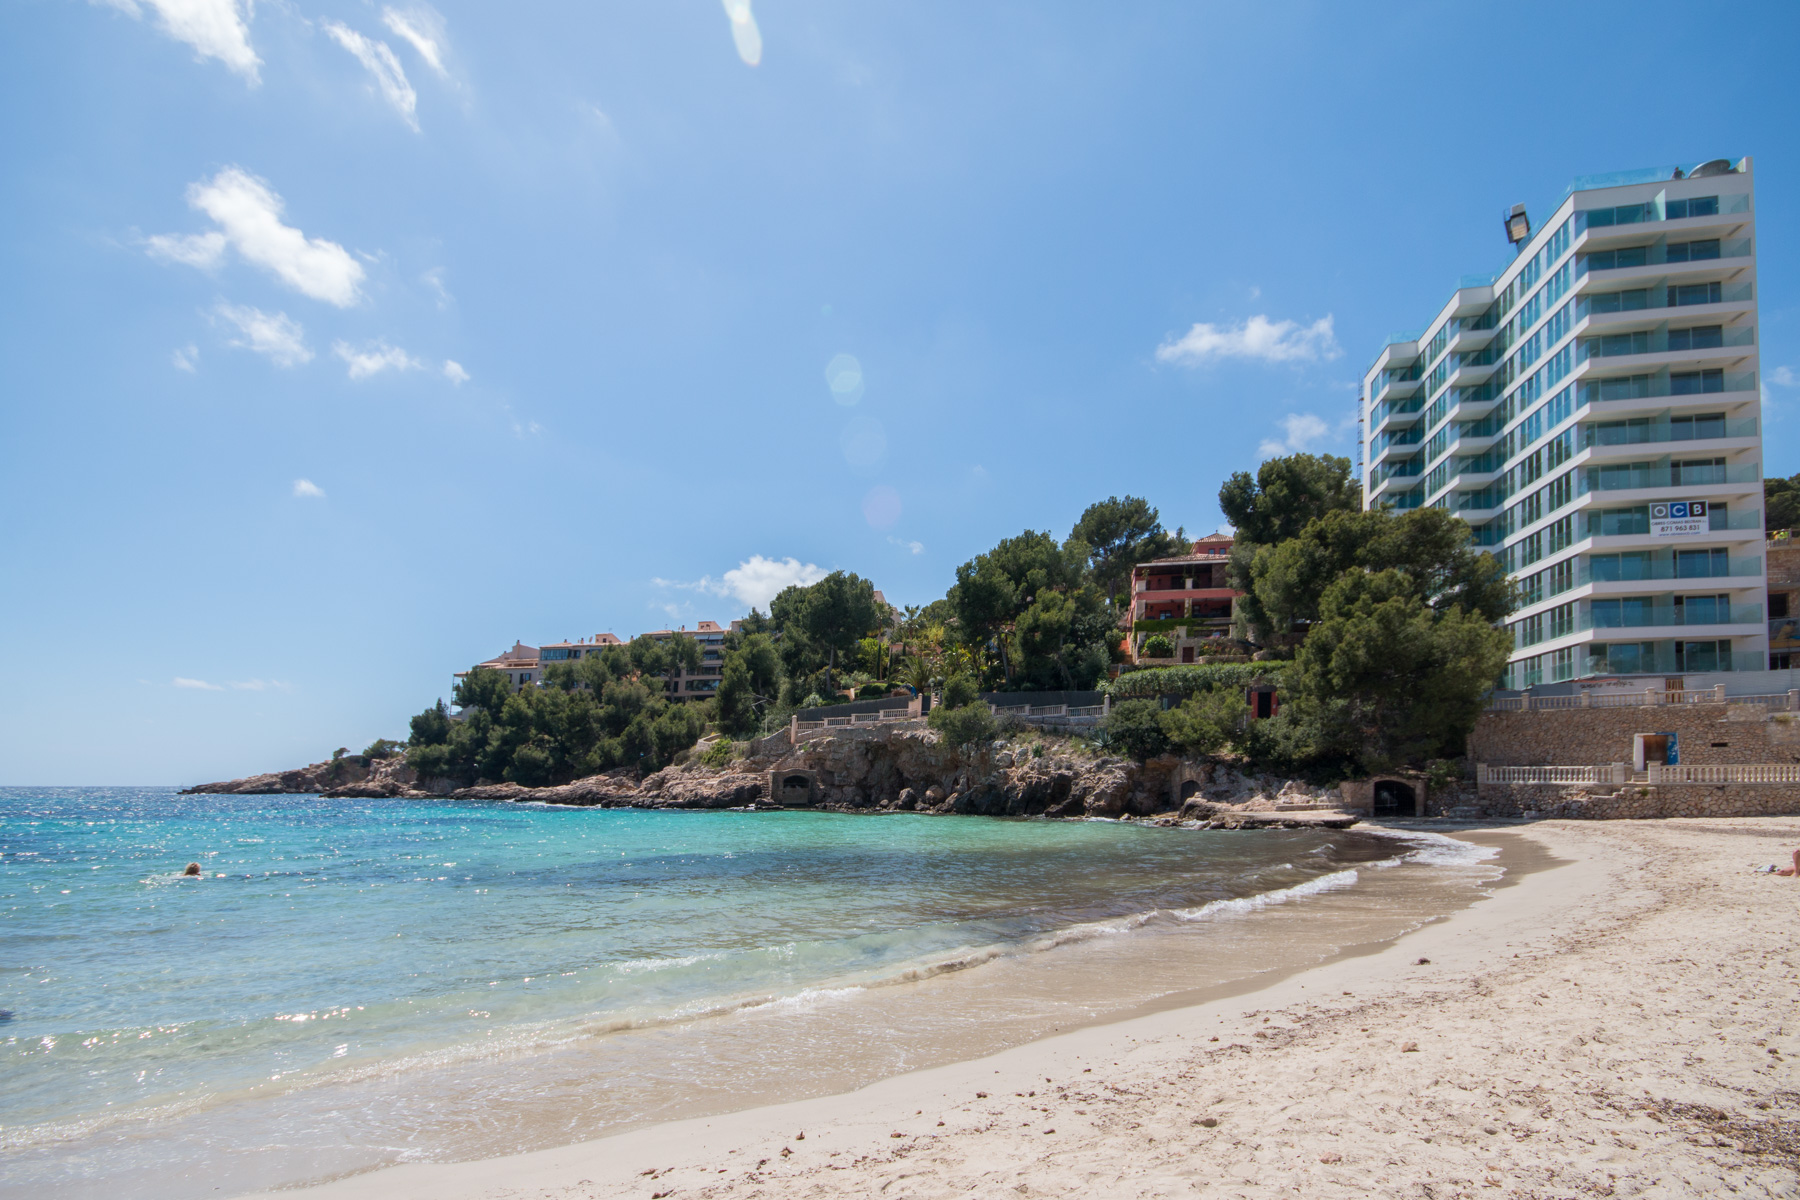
(844, 375)
(744, 33)
(881, 507)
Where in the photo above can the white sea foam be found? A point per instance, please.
(1436, 850)
(1244, 905)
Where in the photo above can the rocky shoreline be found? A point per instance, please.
(902, 767)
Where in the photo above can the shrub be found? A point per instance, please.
(1205, 723)
(384, 748)
(1134, 727)
(960, 691)
(718, 754)
(969, 724)
(1186, 681)
(872, 691)
(1156, 646)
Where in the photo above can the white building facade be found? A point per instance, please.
(1593, 412)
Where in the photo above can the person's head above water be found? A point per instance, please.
(192, 869)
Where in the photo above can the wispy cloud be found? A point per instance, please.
(197, 685)
(248, 212)
(422, 26)
(378, 59)
(1304, 431)
(248, 685)
(1258, 338)
(375, 358)
(186, 358)
(306, 489)
(1784, 376)
(434, 279)
(911, 547)
(753, 582)
(214, 28)
(276, 335)
(453, 371)
(744, 33)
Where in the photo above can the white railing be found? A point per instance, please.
(1088, 710)
(1545, 775)
(1649, 697)
(1726, 773)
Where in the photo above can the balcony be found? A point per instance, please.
(1627, 477)
(1623, 614)
(1651, 430)
(1648, 299)
(1661, 254)
(1393, 412)
(1665, 341)
(1628, 567)
(1658, 384)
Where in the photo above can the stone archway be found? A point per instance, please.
(1186, 780)
(794, 787)
(1397, 798)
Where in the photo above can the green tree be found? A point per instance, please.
(431, 727)
(1427, 545)
(837, 612)
(1135, 727)
(992, 590)
(1157, 646)
(960, 691)
(1206, 723)
(1117, 534)
(483, 688)
(1781, 503)
(1286, 494)
(967, 725)
(1386, 678)
(738, 712)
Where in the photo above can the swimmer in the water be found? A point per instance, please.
(192, 869)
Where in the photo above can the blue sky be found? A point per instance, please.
(347, 342)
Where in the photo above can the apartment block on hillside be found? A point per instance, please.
(1187, 599)
(1592, 410)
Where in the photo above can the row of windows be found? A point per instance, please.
(1632, 214)
(1699, 250)
(1634, 299)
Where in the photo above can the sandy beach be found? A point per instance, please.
(1618, 1022)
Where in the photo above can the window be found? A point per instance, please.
(1624, 387)
(1697, 206)
(1703, 610)
(1619, 522)
(1562, 534)
(1699, 425)
(1688, 471)
(1628, 301)
(1700, 337)
(1622, 658)
(1778, 606)
(1620, 343)
(1562, 664)
(1693, 251)
(1702, 564)
(1562, 620)
(1695, 293)
(1703, 656)
(1628, 256)
(1695, 383)
(1624, 214)
(1624, 612)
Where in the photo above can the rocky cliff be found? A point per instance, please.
(887, 768)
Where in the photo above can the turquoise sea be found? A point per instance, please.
(357, 982)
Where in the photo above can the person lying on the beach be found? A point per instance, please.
(1775, 869)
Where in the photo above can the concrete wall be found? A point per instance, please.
(1706, 734)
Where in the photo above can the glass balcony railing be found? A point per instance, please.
(1668, 658)
(1659, 253)
(1653, 430)
(1627, 476)
(1630, 568)
(1646, 298)
(1651, 385)
(1389, 409)
(1622, 614)
(1663, 341)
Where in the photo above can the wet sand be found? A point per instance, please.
(1620, 1022)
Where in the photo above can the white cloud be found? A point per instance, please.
(306, 489)
(744, 33)
(378, 59)
(276, 335)
(187, 358)
(755, 581)
(1257, 338)
(248, 214)
(214, 28)
(913, 547)
(423, 27)
(453, 371)
(262, 685)
(376, 358)
(1303, 432)
(434, 279)
(198, 685)
(1785, 376)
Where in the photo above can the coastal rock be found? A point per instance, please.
(351, 775)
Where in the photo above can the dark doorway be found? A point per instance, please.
(1189, 788)
(1187, 654)
(799, 782)
(1394, 799)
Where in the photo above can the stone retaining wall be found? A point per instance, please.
(1707, 734)
(1684, 800)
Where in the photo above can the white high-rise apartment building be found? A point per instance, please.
(1593, 412)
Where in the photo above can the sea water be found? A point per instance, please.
(350, 983)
